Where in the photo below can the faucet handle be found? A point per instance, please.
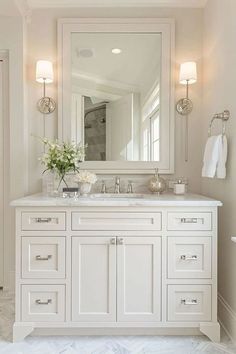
(117, 185)
(103, 188)
(117, 179)
(130, 187)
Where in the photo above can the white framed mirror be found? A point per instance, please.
(116, 92)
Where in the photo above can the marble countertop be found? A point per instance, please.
(39, 200)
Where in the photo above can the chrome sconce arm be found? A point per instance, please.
(44, 75)
(188, 76)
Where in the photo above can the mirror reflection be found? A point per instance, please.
(116, 95)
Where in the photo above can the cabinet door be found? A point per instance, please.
(139, 279)
(93, 279)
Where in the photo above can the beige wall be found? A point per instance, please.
(219, 94)
(42, 36)
(11, 39)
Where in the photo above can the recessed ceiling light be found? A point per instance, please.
(116, 50)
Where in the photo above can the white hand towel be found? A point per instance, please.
(211, 156)
(223, 151)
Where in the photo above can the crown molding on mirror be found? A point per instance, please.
(116, 3)
(165, 27)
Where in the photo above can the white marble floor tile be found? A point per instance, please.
(100, 344)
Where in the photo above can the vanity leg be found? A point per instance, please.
(211, 330)
(21, 330)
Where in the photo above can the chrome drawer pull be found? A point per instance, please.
(192, 302)
(120, 241)
(40, 258)
(39, 302)
(113, 241)
(43, 220)
(190, 258)
(189, 220)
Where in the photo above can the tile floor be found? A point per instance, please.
(103, 345)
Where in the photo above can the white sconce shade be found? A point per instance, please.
(188, 73)
(44, 71)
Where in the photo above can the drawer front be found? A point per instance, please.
(189, 303)
(189, 257)
(43, 257)
(43, 303)
(189, 221)
(116, 221)
(43, 221)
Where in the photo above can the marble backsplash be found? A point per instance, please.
(139, 183)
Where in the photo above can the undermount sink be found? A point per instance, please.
(120, 196)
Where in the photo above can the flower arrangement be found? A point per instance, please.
(62, 158)
(85, 177)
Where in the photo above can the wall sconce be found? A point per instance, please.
(44, 75)
(187, 76)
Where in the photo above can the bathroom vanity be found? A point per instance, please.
(116, 265)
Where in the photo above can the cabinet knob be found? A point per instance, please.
(113, 241)
(40, 302)
(120, 241)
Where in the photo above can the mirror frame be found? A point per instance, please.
(166, 27)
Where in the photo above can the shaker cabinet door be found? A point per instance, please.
(139, 279)
(94, 279)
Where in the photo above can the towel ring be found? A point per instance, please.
(224, 116)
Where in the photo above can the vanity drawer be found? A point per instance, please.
(43, 221)
(180, 221)
(189, 257)
(116, 221)
(189, 303)
(43, 257)
(43, 303)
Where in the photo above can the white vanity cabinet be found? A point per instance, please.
(123, 267)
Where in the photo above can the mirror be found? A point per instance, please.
(116, 92)
(115, 80)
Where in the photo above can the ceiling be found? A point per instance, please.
(115, 3)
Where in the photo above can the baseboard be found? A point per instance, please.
(227, 318)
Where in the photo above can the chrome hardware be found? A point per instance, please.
(113, 241)
(117, 185)
(120, 241)
(186, 258)
(103, 188)
(39, 302)
(43, 220)
(224, 117)
(192, 302)
(40, 258)
(188, 220)
(130, 187)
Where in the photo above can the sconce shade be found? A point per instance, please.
(44, 71)
(188, 73)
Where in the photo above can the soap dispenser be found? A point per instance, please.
(179, 187)
(157, 184)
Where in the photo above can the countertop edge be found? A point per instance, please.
(54, 202)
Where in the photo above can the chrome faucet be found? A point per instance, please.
(103, 188)
(130, 187)
(117, 185)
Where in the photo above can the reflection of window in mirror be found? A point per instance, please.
(150, 126)
(115, 95)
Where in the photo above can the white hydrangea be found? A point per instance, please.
(85, 177)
